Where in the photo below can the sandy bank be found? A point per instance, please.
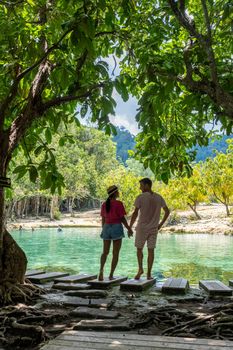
(213, 220)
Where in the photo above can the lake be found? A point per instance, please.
(75, 250)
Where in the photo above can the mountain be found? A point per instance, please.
(125, 141)
(214, 145)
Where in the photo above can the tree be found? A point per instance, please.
(128, 185)
(179, 65)
(52, 58)
(218, 175)
(187, 191)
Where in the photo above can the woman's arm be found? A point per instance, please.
(125, 223)
(103, 221)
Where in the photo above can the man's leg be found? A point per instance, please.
(115, 256)
(106, 248)
(150, 261)
(140, 263)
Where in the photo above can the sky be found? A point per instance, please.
(125, 113)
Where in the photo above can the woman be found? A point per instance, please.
(113, 216)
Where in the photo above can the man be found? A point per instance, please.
(149, 205)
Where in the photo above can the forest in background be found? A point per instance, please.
(89, 161)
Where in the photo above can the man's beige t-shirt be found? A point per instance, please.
(149, 205)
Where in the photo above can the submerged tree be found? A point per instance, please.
(51, 59)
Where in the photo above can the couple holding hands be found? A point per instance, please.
(148, 206)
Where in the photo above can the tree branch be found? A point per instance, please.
(64, 99)
(14, 87)
(208, 42)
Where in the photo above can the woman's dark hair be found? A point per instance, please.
(108, 202)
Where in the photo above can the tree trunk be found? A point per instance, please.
(227, 209)
(193, 207)
(13, 261)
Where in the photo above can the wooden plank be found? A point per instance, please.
(137, 285)
(94, 313)
(75, 278)
(119, 325)
(215, 287)
(75, 301)
(46, 277)
(91, 293)
(123, 335)
(129, 341)
(106, 283)
(101, 343)
(106, 303)
(175, 285)
(34, 272)
(231, 283)
(71, 286)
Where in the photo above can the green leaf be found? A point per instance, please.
(33, 174)
(48, 135)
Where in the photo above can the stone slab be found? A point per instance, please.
(75, 301)
(92, 293)
(71, 286)
(175, 285)
(215, 287)
(45, 277)
(65, 300)
(34, 272)
(106, 325)
(94, 313)
(83, 277)
(231, 283)
(106, 283)
(137, 285)
(100, 303)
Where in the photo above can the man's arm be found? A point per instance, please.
(134, 217)
(166, 214)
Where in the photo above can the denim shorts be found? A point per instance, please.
(112, 231)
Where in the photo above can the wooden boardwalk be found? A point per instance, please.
(175, 285)
(215, 287)
(73, 340)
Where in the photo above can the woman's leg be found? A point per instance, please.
(106, 248)
(115, 255)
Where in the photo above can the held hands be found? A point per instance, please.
(130, 232)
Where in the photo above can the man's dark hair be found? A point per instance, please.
(146, 181)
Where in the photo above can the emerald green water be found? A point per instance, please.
(192, 256)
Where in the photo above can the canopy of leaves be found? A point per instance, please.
(179, 65)
(53, 60)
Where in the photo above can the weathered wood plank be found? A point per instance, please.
(92, 293)
(75, 278)
(118, 325)
(45, 277)
(106, 283)
(231, 283)
(132, 336)
(128, 341)
(215, 287)
(94, 313)
(75, 301)
(175, 285)
(71, 286)
(103, 303)
(34, 272)
(137, 285)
